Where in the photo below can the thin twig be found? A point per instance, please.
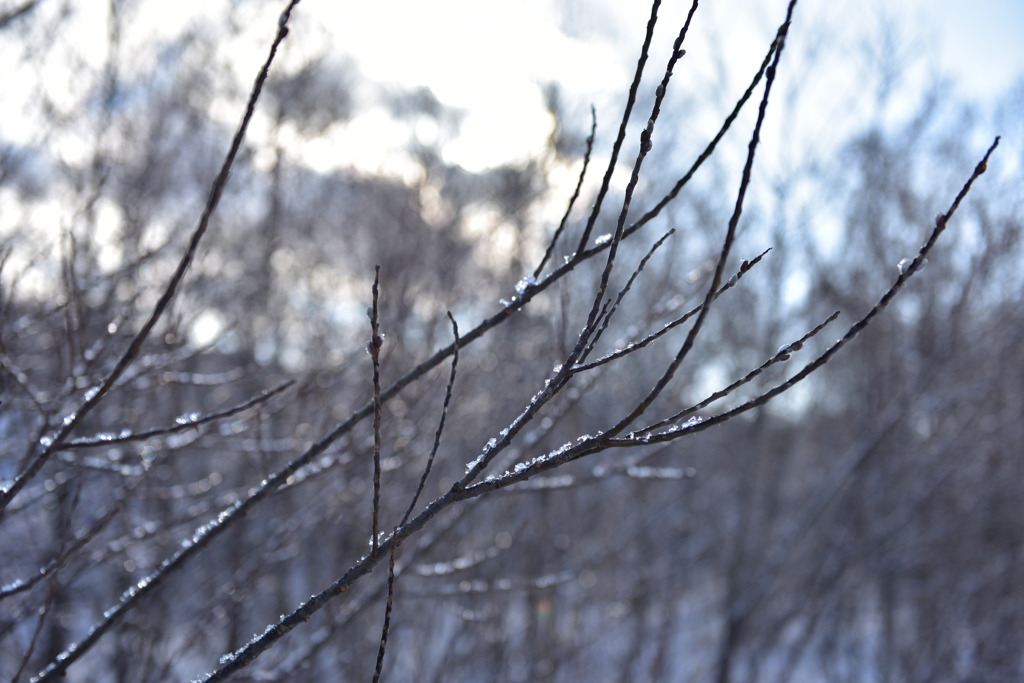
(386, 629)
(563, 372)
(726, 246)
(621, 135)
(606, 317)
(20, 585)
(59, 665)
(440, 424)
(646, 144)
(710, 149)
(95, 395)
(575, 195)
(745, 266)
(782, 355)
(373, 346)
(182, 423)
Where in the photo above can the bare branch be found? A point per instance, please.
(373, 346)
(726, 247)
(440, 424)
(95, 395)
(184, 423)
(575, 196)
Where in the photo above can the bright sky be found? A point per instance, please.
(489, 57)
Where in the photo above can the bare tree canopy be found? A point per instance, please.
(267, 420)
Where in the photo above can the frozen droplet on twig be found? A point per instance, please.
(904, 265)
(525, 284)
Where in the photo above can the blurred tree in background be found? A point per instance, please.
(865, 525)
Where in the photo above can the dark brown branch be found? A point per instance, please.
(709, 150)
(782, 355)
(440, 424)
(726, 246)
(621, 135)
(373, 346)
(646, 143)
(745, 266)
(602, 442)
(386, 629)
(606, 316)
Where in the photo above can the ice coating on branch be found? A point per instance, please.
(603, 239)
(525, 284)
(905, 264)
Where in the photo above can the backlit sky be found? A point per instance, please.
(488, 57)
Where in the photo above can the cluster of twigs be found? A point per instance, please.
(624, 433)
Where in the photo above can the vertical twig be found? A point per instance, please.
(387, 611)
(646, 144)
(373, 346)
(412, 505)
(613, 161)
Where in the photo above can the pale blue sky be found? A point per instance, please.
(488, 57)
(491, 58)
